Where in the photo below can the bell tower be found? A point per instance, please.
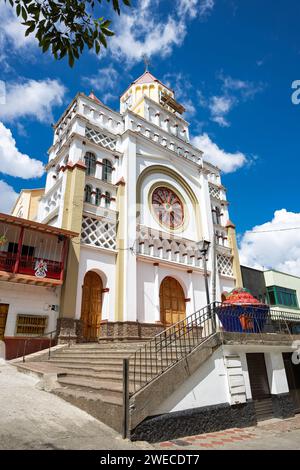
(150, 87)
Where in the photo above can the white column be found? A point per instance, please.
(191, 296)
(156, 294)
(276, 373)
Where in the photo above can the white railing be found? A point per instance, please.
(51, 200)
(159, 245)
(163, 138)
(103, 118)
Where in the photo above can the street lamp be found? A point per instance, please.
(203, 247)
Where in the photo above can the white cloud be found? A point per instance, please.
(233, 91)
(12, 35)
(13, 162)
(194, 8)
(32, 98)
(219, 107)
(226, 161)
(8, 197)
(278, 250)
(104, 80)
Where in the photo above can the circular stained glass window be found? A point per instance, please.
(167, 207)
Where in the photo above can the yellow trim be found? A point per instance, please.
(177, 177)
(120, 262)
(72, 220)
(235, 253)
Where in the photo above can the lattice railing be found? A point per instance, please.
(99, 232)
(225, 265)
(101, 138)
(214, 192)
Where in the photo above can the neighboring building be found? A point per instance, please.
(32, 269)
(280, 290)
(283, 290)
(254, 281)
(142, 197)
(26, 205)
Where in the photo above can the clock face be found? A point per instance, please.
(167, 207)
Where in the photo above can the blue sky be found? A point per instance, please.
(232, 64)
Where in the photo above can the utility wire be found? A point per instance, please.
(275, 230)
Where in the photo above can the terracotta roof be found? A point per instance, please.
(147, 77)
(30, 224)
(94, 97)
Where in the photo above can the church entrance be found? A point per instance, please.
(91, 306)
(172, 302)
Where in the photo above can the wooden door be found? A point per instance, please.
(91, 306)
(258, 376)
(172, 302)
(3, 317)
(293, 378)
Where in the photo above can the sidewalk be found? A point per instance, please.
(268, 435)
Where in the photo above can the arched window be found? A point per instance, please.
(87, 193)
(98, 197)
(217, 215)
(90, 163)
(107, 170)
(107, 199)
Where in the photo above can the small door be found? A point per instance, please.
(259, 384)
(91, 306)
(3, 317)
(258, 376)
(172, 301)
(293, 378)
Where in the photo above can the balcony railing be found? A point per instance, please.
(28, 265)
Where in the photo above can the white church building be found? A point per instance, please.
(141, 198)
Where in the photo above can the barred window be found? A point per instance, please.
(98, 197)
(32, 325)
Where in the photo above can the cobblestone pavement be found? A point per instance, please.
(268, 435)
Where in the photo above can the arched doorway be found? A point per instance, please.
(91, 305)
(172, 301)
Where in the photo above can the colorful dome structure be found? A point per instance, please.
(243, 313)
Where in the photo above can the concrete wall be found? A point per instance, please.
(207, 386)
(34, 300)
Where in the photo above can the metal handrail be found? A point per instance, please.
(171, 345)
(41, 337)
(177, 341)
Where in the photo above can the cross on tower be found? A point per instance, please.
(146, 62)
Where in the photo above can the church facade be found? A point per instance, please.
(142, 199)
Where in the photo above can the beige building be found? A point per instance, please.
(26, 206)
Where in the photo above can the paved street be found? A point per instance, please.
(34, 419)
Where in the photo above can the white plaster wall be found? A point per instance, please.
(103, 263)
(207, 386)
(148, 294)
(274, 365)
(31, 300)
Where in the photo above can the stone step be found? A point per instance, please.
(110, 376)
(101, 361)
(105, 388)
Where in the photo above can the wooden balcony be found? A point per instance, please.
(31, 252)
